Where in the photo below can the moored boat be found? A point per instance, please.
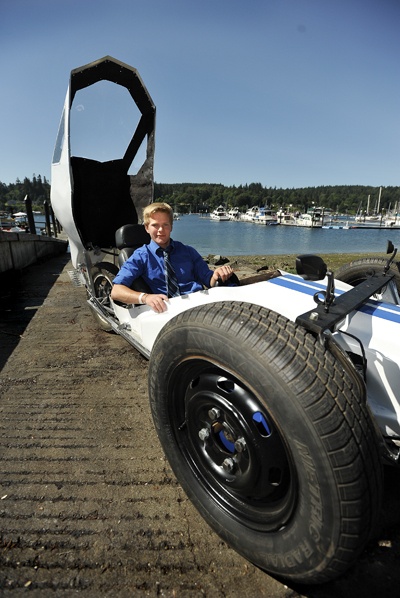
(265, 216)
(234, 214)
(392, 218)
(6, 221)
(219, 214)
(249, 214)
(309, 221)
(287, 219)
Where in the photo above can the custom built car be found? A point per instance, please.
(277, 401)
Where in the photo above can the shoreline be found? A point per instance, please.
(251, 263)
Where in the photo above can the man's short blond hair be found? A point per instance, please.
(153, 208)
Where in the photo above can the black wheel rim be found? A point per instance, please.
(102, 288)
(232, 445)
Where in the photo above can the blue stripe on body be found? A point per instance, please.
(384, 311)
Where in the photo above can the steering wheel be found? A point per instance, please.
(231, 281)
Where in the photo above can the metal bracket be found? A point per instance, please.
(318, 319)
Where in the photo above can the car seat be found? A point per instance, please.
(128, 238)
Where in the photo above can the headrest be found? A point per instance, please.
(131, 235)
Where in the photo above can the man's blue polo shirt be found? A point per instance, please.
(148, 262)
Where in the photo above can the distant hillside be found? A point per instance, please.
(203, 197)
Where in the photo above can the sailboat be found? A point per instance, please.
(366, 216)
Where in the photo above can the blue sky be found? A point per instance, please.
(288, 93)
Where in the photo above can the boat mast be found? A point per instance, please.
(379, 200)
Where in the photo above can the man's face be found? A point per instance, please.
(159, 229)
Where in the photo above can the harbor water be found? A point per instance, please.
(246, 238)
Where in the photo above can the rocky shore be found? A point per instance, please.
(246, 265)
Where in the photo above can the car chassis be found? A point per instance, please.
(277, 401)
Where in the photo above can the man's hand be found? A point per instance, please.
(156, 302)
(223, 272)
(126, 295)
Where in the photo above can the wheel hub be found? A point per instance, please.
(234, 445)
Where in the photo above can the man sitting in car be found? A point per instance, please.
(170, 268)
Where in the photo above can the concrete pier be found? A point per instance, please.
(19, 250)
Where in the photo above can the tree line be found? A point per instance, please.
(343, 199)
(204, 197)
(12, 195)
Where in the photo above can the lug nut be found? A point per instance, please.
(204, 433)
(228, 464)
(240, 445)
(214, 413)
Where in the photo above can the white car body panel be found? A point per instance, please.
(289, 295)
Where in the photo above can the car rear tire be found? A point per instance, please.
(269, 436)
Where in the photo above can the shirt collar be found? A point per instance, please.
(157, 250)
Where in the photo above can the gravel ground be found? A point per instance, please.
(88, 503)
